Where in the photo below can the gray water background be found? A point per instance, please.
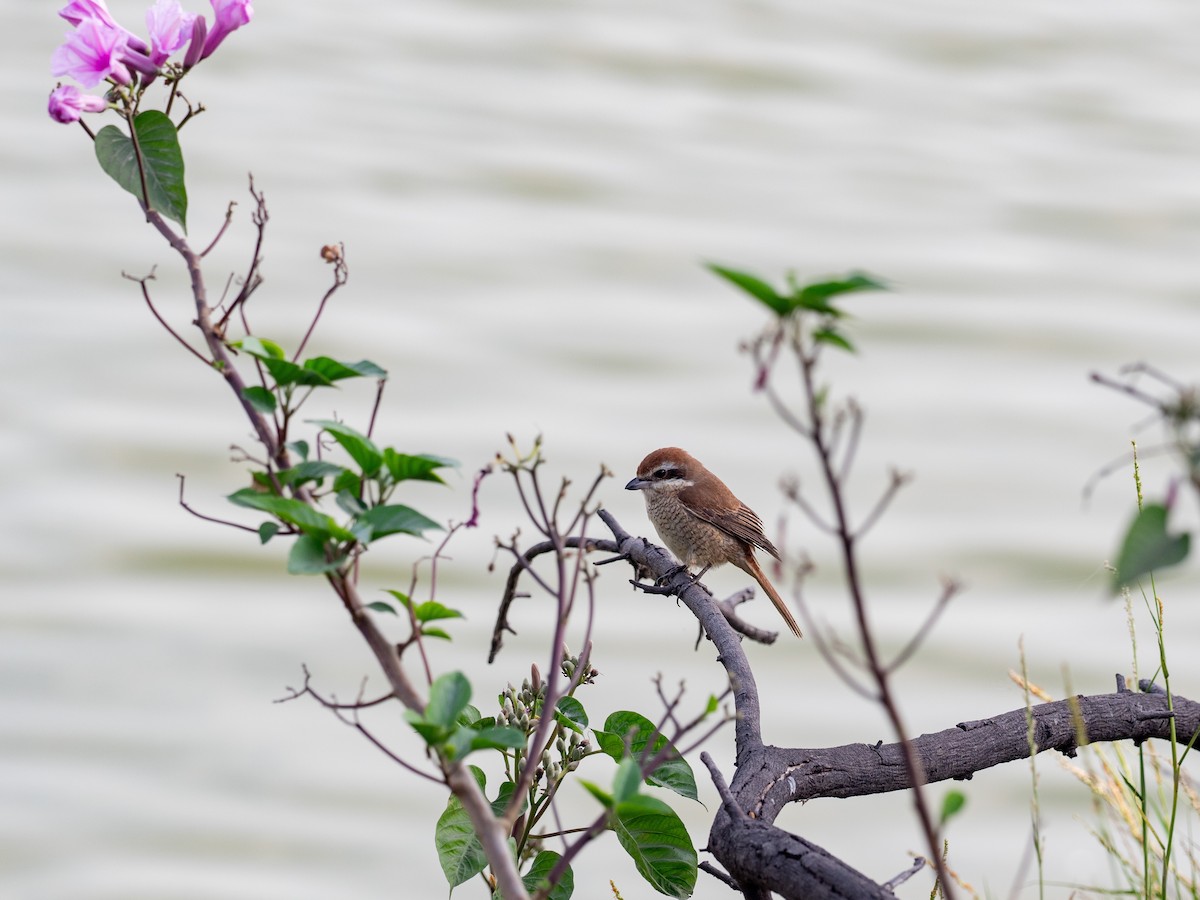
(526, 192)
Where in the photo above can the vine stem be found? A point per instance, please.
(490, 830)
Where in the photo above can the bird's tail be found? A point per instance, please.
(753, 569)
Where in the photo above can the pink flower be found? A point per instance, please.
(67, 104)
(170, 28)
(230, 15)
(92, 52)
(196, 47)
(78, 11)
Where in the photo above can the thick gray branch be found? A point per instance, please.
(763, 859)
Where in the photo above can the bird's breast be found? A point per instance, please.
(697, 543)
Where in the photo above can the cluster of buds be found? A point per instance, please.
(98, 49)
(521, 708)
(571, 751)
(570, 664)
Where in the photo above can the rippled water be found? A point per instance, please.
(526, 192)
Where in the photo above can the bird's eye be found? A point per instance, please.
(663, 473)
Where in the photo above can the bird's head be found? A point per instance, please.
(667, 470)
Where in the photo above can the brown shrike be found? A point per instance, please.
(701, 521)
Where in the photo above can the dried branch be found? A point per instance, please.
(523, 564)
(161, 321)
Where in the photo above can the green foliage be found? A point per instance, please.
(385, 520)
(297, 513)
(628, 733)
(459, 852)
(570, 714)
(453, 728)
(952, 805)
(422, 467)
(323, 544)
(1148, 546)
(658, 843)
(815, 297)
(315, 471)
(158, 142)
(422, 613)
(537, 877)
(310, 555)
(360, 447)
(261, 399)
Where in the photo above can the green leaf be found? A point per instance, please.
(332, 370)
(448, 696)
(952, 804)
(263, 349)
(1148, 547)
(314, 470)
(755, 287)
(625, 726)
(350, 503)
(401, 596)
(459, 852)
(308, 557)
(598, 792)
(385, 520)
(360, 447)
(267, 530)
(816, 296)
(834, 338)
(284, 371)
(380, 606)
(456, 744)
(300, 448)
(714, 703)
(627, 781)
(654, 837)
(433, 734)
(163, 163)
(440, 633)
(570, 714)
(421, 467)
(260, 398)
(348, 483)
(294, 512)
(539, 874)
(504, 796)
(497, 738)
(431, 611)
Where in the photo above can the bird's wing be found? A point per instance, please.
(742, 524)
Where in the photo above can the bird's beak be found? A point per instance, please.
(636, 484)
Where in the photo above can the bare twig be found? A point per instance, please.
(340, 274)
(892, 883)
(719, 875)
(950, 588)
(221, 231)
(524, 563)
(226, 522)
(161, 321)
(897, 480)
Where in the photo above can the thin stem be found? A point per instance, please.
(340, 274)
(850, 568)
(221, 231)
(212, 519)
(163, 322)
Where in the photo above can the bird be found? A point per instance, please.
(701, 521)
